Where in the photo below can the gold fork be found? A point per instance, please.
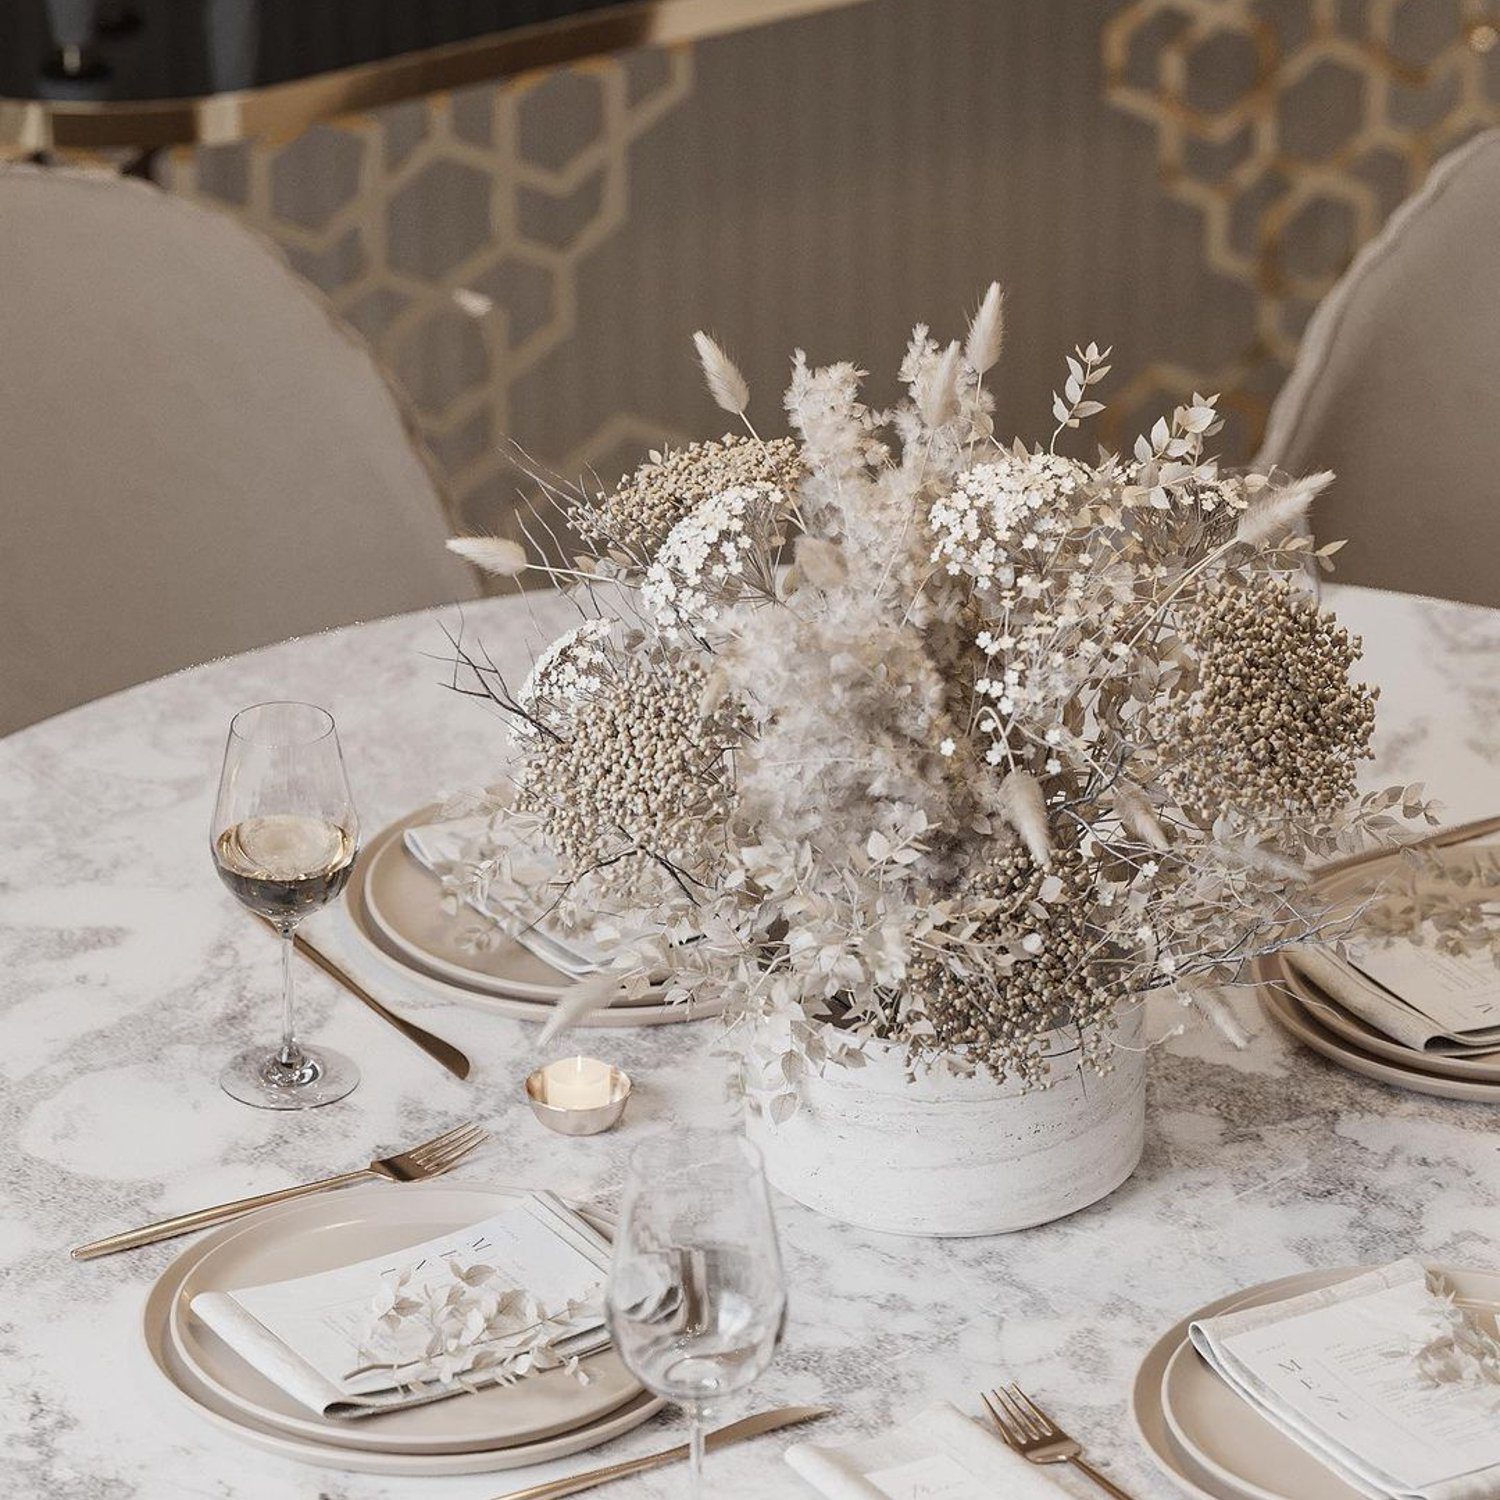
(430, 1159)
(1037, 1438)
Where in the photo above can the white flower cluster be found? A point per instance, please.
(1014, 503)
(702, 563)
(571, 668)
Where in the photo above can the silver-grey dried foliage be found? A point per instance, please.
(894, 730)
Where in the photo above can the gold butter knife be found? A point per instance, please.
(434, 1046)
(721, 1437)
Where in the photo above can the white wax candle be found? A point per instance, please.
(578, 1083)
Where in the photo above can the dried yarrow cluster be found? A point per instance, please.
(633, 790)
(1273, 725)
(630, 524)
(1036, 960)
(1015, 739)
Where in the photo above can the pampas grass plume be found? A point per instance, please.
(987, 331)
(495, 554)
(725, 383)
(1025, 808)
(1271, 521)
(940, 389)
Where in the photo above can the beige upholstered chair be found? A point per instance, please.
(1397, 389)
(194, 458)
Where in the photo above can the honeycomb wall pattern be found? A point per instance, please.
(1293, 130)
(449, 232)
(1183, 179)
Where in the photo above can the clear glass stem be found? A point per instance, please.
(695, 1450)
(290, 1055)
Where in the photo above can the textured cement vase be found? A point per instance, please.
(959, 1156)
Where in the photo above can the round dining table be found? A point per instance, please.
(130, 975)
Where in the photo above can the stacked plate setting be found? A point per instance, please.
(1305, 1008)
(1311, 1015)
(393, 919)
(1216, 1445)
(544, 1417)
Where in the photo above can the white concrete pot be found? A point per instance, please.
(959, 1156)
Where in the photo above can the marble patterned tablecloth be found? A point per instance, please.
(127, 975)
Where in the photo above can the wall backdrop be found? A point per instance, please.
(1183, 179)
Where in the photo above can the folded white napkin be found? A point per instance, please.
(1334, 1370)
(305, 1334)
(939, 1455)
(437, 846)
(1426, 1000)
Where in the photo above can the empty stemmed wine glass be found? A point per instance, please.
(284, 839)
(696, 1301)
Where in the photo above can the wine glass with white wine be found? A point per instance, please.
(696, 1301)
(284, 838)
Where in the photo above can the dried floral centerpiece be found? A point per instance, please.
(1016, 738)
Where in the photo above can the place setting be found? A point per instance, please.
(425, 1327)
(1412, 1016)
(1331, 1384)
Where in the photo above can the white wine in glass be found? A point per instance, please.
(284, 838)
(696, 1301)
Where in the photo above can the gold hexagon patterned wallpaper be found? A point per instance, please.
(1292, 130)
(1181, 178)
(450, 232)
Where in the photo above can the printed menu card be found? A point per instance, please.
(1336, 1370)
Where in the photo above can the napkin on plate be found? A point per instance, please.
(1424, 999)
(939, 1455)
(306, 1334)
(436, 846)
(1335, 1370)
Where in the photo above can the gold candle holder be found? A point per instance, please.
(578, 1095)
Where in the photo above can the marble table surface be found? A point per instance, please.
(127, 975)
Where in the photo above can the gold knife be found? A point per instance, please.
(434, 1046)
(721, 1437)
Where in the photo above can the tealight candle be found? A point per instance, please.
(579, 1095)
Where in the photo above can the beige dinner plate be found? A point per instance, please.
(1213, 1443)
(403, 899)
(408, 888)
(410, 1214)
(338, 1229)
(1331, 1016)
(1293, 1018)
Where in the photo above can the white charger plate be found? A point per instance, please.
(1213, 1443)
(357, 928)
(214, 1380)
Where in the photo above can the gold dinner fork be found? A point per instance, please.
(1037, 1438)
(430, 1159)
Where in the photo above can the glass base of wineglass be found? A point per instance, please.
(256, 1076)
